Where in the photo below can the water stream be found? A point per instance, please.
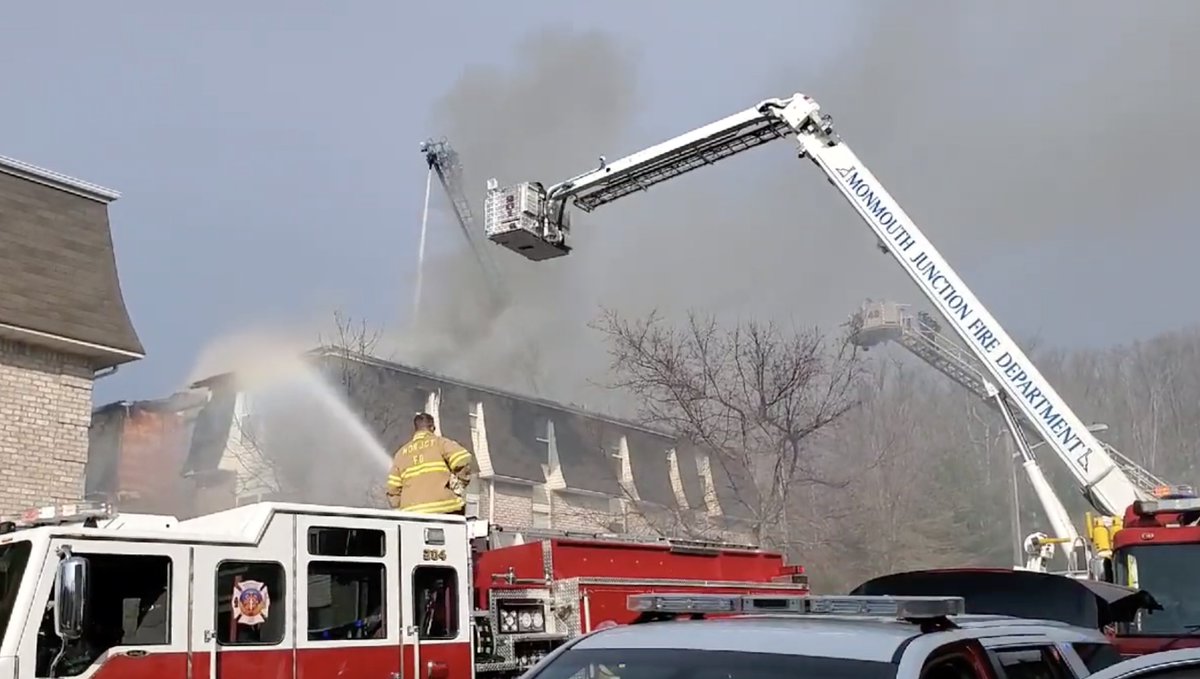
(307, 434)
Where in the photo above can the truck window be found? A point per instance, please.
(129, 604)
(339, 541)
(1162, 570)
(346, 600)
(251, 603)
(435, 601)
(13, 559)
(1033, 662)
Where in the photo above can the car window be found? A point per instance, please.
(959, 660)
(644, 663)
(1032, 662)
(1097, 656)
(952, 667)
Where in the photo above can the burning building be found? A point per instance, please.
(538, 463)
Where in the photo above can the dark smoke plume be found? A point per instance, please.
(577, 91)
(1002, 132)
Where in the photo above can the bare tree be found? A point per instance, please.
(754, 397)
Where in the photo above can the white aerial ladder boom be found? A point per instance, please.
(532, 221)
(1038, 548)
(882, 321)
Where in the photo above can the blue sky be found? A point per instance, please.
(267, 151)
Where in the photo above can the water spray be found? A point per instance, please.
(421, 245)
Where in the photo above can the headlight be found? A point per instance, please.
(525, 618)
(508, 620)
(532, 620)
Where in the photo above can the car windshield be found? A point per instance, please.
(13, 558)
(1168, 572)
(647, 663)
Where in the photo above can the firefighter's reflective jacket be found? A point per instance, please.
(429, 474)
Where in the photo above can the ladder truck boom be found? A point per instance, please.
(447, 165)
(1038, 548)
(883, 321)
(533, 221)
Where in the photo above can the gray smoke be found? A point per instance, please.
(1000, 131)
(577, 90)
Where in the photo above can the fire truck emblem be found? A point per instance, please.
(250, 602)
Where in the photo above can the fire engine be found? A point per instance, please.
(533, 220)
(1158, 539)
(294, 590)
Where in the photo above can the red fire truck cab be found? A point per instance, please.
(1157, 550)
(288, 590)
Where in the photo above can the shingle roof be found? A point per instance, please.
(583, 452)
(734, 486)
(689, 476)
(651, 467)
(59, 271)
(732, 483)
(512, 438)
(387, 394)
(515, 422)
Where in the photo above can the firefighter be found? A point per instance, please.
(430, 473)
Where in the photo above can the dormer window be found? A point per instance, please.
(546, 438)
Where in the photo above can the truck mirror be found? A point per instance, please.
(70, 597)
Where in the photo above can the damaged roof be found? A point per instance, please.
(390, 392)
(60, 287)
(386, 395)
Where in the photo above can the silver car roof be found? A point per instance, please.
(1179, 658)
(849, 637)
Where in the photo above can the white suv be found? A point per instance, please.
(825, 637)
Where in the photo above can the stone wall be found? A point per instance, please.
(45, 411)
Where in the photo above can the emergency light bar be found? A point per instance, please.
(1174, 492)
(1166, 506)
(680, 603)
(903, 608)
(56, 514)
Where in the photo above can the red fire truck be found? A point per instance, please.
(290, 590)
(1156, 550)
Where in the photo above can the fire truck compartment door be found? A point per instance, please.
(434, 558)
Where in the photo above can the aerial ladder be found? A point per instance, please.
(533, 220)
(883, 321)
(444, 161)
